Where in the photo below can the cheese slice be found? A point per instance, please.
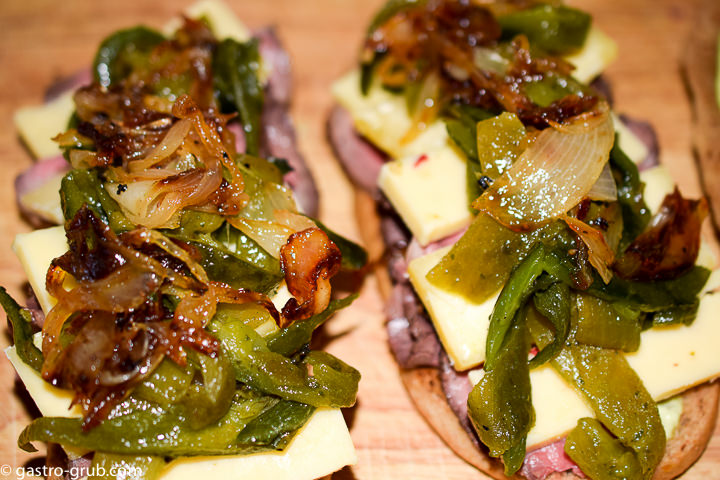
(417, 188)
(461, 325)
(593, 58)
(36, 250)
(321, 447)
(45, 200)
(381, 117)
(37, 125)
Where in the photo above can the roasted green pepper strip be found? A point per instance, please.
(479, 264)
(122, 52)
(654, 296)
(500, 405)
(551, 88)
(109, 466)
(460, 123)
(269, 427)
(247, 265)
(83, 187)
(288, 341)
(618, 399)
(554, 305)
(635, 212)
(600, 455)
(499, 142)
(166, 385)
(607, 325)
(335, 385)
(206, 402)
(674, 316)
(141, 428)
(21, 320)
(556, 30)
(236, 81)
(514, 294)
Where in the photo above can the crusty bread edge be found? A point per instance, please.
(424, 385)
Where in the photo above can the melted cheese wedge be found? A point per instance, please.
(593, 58)
(461, 325)
(37, 125)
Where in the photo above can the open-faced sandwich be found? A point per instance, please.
(177, 298)
(552, 304)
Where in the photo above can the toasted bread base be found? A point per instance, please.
(694, 429)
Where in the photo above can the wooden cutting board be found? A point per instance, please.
(41, 40)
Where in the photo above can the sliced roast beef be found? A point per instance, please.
(457, 387)
(541, 463)
(360, 159)
(278, 136)
(35, 177)
(69, 83)
(412, 337)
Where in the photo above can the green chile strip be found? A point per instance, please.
(600, 455)
(619, 400)
(21, 319)
(500, 405)
(513, 296)
(143, 429)
(319, 379)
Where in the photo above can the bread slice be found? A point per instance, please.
(424, 385)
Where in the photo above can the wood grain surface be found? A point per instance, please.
(41, 40)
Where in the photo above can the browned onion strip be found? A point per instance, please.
(183, 108)
(308, 260)
(553, 174)
(172, 141)
(599, 253)
(670, 244)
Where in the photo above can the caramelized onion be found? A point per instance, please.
(599, 253)
(308, 260)
(670, 244)
(553, 174)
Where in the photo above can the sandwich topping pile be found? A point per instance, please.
(518, 225)
(165, 318)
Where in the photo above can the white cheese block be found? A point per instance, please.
(675, 358)
(45, 200)
(51, 401)
(322, 446)
(36, 250)
(37, 125)
(428, 192)
(658, 183)
(593, 58)
(629, 143)
(462, 326)
(381, 117)
(223, 21)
